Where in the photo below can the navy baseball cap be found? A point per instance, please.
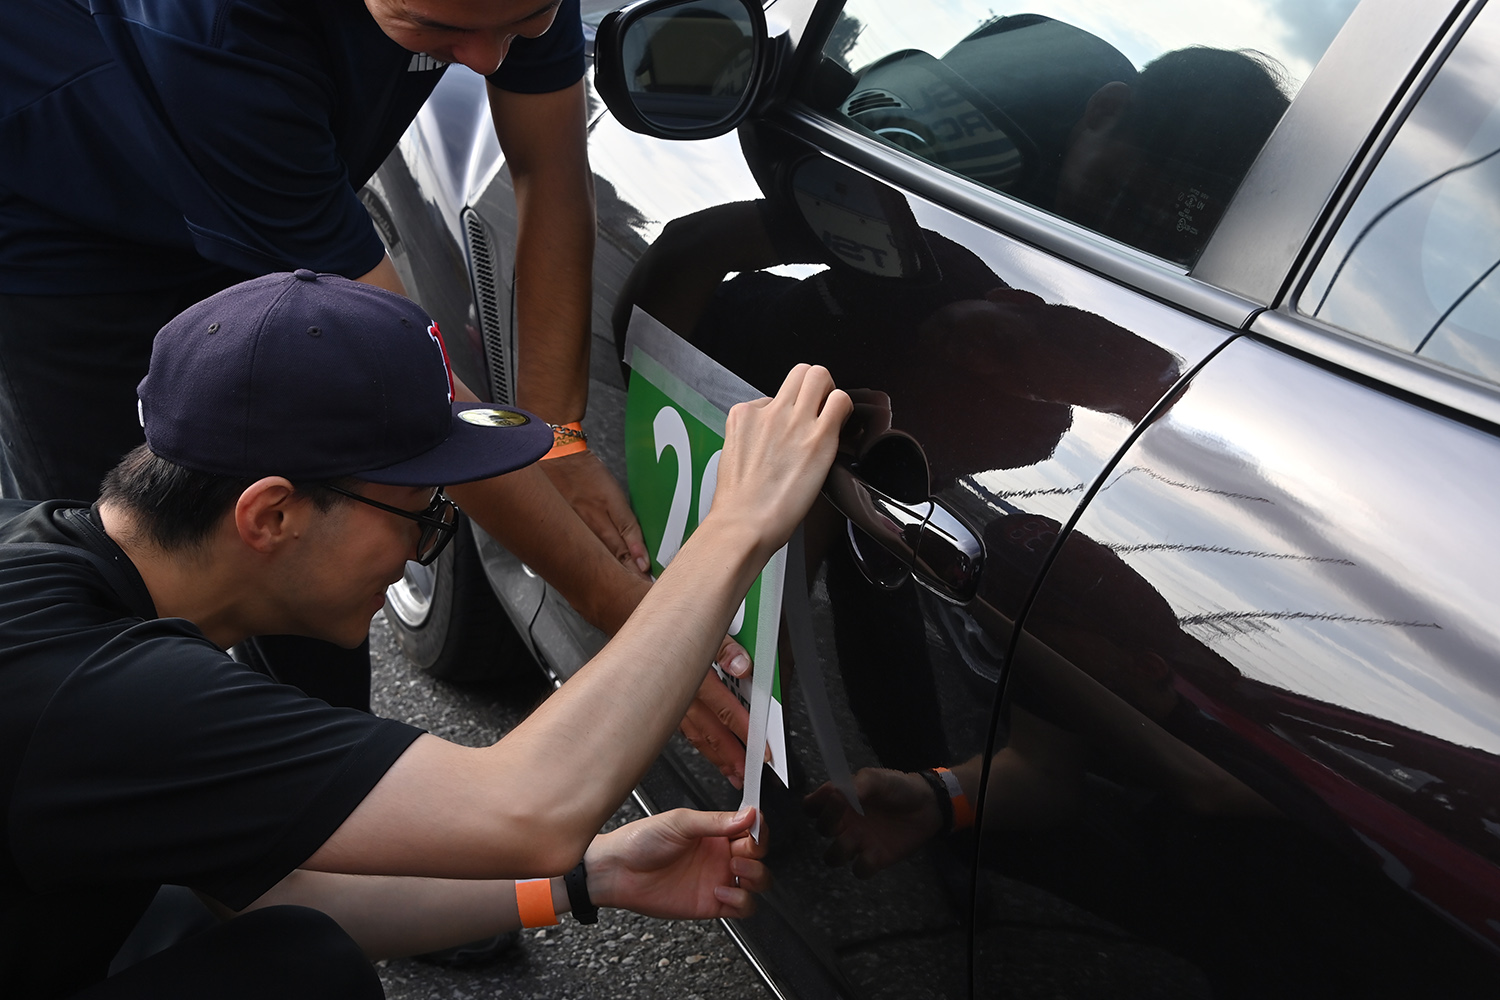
(315, 377)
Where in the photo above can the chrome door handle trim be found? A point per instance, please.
(940, 550)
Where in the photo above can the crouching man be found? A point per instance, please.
(298, 428)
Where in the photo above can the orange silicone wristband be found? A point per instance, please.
(534, 902)
(963, 813)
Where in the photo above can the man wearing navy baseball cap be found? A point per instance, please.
(298, 429)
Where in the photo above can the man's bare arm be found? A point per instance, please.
(679, 865)
(530, 803)
(526, 514)
(544, 142)
(546, 151)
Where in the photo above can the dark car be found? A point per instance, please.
(1168, 522)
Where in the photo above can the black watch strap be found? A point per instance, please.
(577, 883)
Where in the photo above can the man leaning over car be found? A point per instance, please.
(156, 152)
(296, 426)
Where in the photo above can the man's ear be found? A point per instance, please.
(268, 513)
(1106, 107)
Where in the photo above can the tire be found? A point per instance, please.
(447, 621)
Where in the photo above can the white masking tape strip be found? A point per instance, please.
(710, 380)
(768, 624)
(809, 668)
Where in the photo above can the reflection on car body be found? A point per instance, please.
(1204, 624)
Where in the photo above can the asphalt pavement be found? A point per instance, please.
(625, 955)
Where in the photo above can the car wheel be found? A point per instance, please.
(447, 621)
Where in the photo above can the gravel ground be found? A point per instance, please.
(624, 956)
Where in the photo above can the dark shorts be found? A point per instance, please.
(285, 952)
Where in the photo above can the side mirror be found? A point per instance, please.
(681, 69)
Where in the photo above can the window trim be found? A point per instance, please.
(1424, 382)
(1010, 217)
(1279, 218)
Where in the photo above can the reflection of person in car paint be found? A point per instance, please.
(1150, 158)
(1154, 162)
(948, 338)
(1095, 676)
(954, 347)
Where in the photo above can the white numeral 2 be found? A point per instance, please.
(669, 431)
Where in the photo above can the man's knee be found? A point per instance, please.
(286, 952)
(308, 947)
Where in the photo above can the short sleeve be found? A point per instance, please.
(162, 760)
(550, 62)
(243, 116)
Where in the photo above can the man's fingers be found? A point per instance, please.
(715, 741)
(837, 406)
(594, 494)
(698, 823)
(716, 725)
(748, 847)
(813, 391)
(750, 874)
(737, 903)
(733, 659)
(715, 695)
(635, 543)
(791, 386)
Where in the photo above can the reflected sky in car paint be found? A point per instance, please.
(683, 176)
(1295, 32)
(1054, 487)
(1379, 607)
(1063, 283)
(453, 134)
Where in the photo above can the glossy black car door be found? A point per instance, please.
(996, 382)
(1259, 684)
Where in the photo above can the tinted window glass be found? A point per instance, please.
(1414, 263)
(1137, 120)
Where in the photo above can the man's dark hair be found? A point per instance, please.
(1201, 115)
(177, 508)
(1213, 108)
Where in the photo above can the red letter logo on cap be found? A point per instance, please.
(437, 338)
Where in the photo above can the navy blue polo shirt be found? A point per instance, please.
(147, 143)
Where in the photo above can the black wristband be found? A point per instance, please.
(577, 884)
(940, 791)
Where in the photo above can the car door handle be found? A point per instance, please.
(940, 550)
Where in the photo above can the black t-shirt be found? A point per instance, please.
(151, 143)
(134, 752)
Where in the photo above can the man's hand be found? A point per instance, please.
(900, 816)
(679, 865)
(717, 725)
(588, 486)
(777, 453)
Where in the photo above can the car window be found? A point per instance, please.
(1414, 263)
(1137, 120)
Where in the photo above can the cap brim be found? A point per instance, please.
(490, 442)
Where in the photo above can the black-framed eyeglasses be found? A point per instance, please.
(439, 521)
